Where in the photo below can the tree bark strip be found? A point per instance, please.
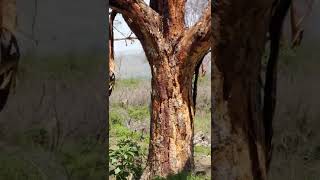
(239, 37)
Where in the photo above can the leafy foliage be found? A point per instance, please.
(183, 176)
(138, 112)
(126, 160)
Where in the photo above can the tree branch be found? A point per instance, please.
(173, 13)
(196, 41)
(112, 16)
(142, 20)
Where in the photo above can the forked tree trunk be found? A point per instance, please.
(171, 147)
(173, 51)
(239, 38)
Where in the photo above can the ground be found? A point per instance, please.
(50, 125)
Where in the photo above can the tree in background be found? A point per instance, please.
(242, 115)
(173, 52)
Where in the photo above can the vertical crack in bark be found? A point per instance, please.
(280, 11)
(195, 83)
(252, 139)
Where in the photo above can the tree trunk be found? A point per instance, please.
(173, 51)
(171, 145)
(9, 49)
(239, 38)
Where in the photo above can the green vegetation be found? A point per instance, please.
(33, 144)
(184, 176)
(32, 160)
(13, 167)
(126, 160)
(202, 150)
(68, 66)
(139, 112)
(129, 83)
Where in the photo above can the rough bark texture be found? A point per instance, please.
(173, 52)
(9, 49)
(239, 38)
(172, 119)
(242, 127)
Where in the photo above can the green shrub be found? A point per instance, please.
(202, 150)
(119, 131)
(116, 118)
(138, 112)
(126, 160)
(183, 176)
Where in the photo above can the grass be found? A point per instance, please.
(81, 160)
(184, 176)
(296, 138)
(55, 96)
(202, 150)
(129, 83)
(69, 66)
(138, 112)
(13, 167)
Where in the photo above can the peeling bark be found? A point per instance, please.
(173, 53)
(172, 117)
(242, 127)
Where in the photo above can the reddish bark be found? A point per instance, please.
(173, 53)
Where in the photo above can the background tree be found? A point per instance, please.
(173, 51)
(242, 115)
(9, 49)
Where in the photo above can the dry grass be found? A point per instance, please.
(296, 135)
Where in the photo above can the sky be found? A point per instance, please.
(121, 46)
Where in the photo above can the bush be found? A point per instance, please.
(116, 118)
(139, 112)
(183, 176)
(126, 160)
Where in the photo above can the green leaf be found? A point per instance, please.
(117, 170)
